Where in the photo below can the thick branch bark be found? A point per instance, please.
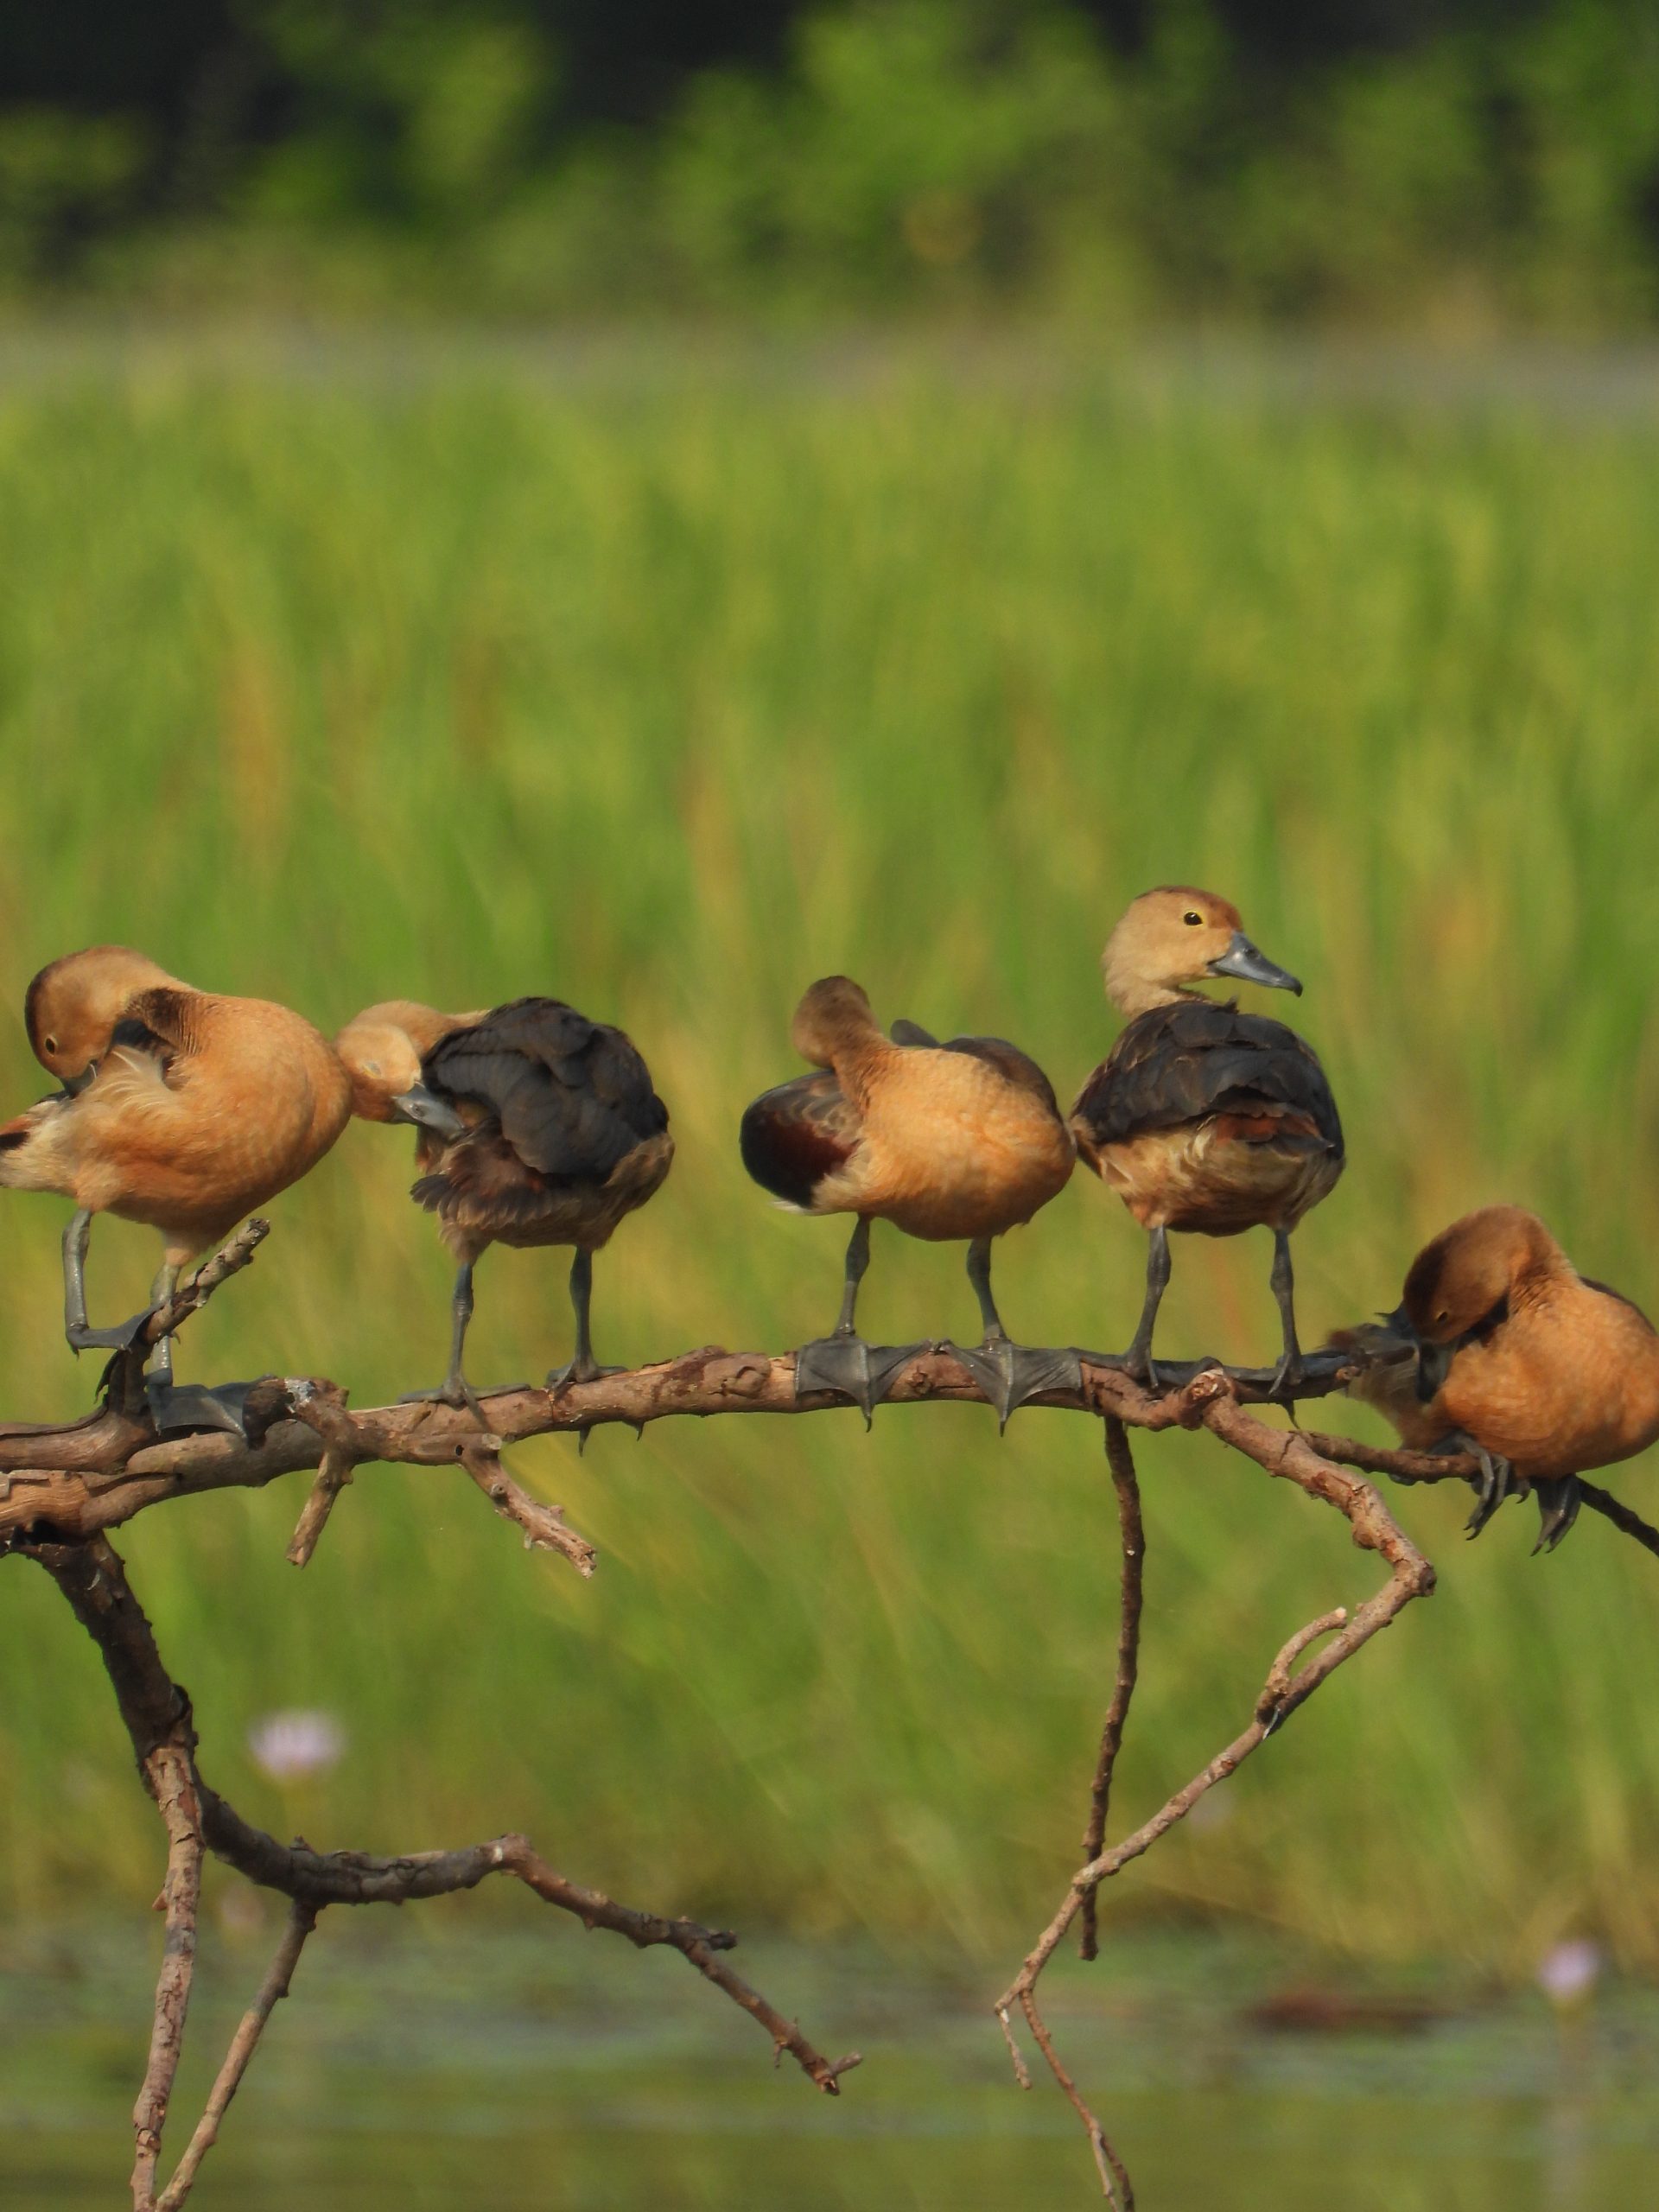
(94, 1474)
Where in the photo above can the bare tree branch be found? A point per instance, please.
(157, 1716)
(1209, 1400)
(1132, 1539)
(63, 1486)
(302, 1919)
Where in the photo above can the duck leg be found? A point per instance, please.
(1137, 1361)
(1290, 1371)
(455, 1389)
(1558, 1509)
(582, 1367)
(1009, 1373)
(176, 1409)
(125, 1334)
(844, 1362)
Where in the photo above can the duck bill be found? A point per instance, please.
(1249, 965)
(74, 1085)
(427, 1111)
(1432, 1363)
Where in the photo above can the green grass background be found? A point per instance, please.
(667, 693)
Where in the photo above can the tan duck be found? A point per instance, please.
(963, 1140)
(1501, 1347)
(537, 1127)
(182, 1109)
(1202, 1118)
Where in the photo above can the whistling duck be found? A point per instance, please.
(539, 1127)
(1200, 1117)
(961, 1140)
(1541, 1372)
(181, 1108)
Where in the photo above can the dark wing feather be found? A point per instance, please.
(1182, 1063)
(911, 1033)
(797, 1133)
(570, 1097)
(162, 1023)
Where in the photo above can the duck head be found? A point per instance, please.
(1175, 937)
(73, 1005)
(833, 1015)
(382, 1050)
(1465, 1283)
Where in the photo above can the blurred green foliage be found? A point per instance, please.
(667, 689)
(898, 155)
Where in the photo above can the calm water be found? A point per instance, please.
(423, 2068)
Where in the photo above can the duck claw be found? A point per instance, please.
(1011, 1374)
(1558, 1509)
(578, 1370)
(1497, 1482)
(454, 1390)
(852, 1369)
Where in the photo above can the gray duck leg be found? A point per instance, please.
(1290, 1371)
(582, 1366)
(1009, 1373)
(843, 1362)
(1137, 1361)
(455, 1389)
(125, 1334)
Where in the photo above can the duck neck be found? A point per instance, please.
(1134, 995)
(858, 1055)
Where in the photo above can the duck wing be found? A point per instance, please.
(160, 1025)
(794, 1135)
(1184, 1063)
(569, 1098)
(1014, 1065)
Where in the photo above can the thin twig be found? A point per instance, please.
(1209, 1400)
(1132, 1538)
(302, 1919)
(322, 1408)
(545, 1526)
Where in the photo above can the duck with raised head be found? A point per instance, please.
(537, 1126)
(1500, 1347)
(1202, 1118)
(963, 1140)
(180, 1108)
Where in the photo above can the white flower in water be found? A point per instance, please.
(290, 1745)
(1568, 1971)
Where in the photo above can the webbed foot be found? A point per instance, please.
(853, 1368)
(1558, 1509)
(579, 1370)
(122, 1337)
(454, 1390)
(1010, 1373)
(1497, 1482)
(176, 1409)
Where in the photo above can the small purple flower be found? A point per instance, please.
(1568, 1971)
(290, 1747)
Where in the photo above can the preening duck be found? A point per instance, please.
(537, 1126)
(963, 1140)
(1510, 1352)
(1203, 1119)
(182, 1109)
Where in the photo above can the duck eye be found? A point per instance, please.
(1193, 921)
(51, 1044)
